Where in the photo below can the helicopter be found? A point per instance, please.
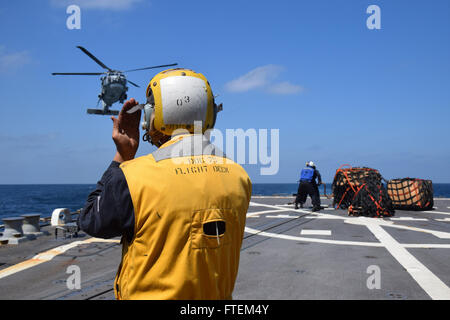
(114, 84)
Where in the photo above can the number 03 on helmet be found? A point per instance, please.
(180, 98)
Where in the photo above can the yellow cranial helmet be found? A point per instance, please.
(180, 97)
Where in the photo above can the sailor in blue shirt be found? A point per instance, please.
(308, 186)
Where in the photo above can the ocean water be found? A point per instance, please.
(16, 200)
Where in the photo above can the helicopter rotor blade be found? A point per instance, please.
(93, 58)
(77, 73)
(165, 65)
(134, 84)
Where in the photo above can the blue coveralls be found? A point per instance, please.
(308, 186)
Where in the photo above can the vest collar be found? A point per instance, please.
(187, 145)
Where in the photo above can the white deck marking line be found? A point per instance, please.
(269, 206)
(426, 246)
(356, 220)
(387, 223)
(315, 215)
(291, 205)
(443, 220)
(317, 240)
(277, 208)
(257, 213)
(408, 219)
(439, 234)
(344, 243)
(362, 220)
(432, 285)
(438, 212)
(264, 212)
(47, 256)
(283, 216)
(256, 204)
(315, 232)
(285, 205)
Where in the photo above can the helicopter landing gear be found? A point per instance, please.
(104, 111)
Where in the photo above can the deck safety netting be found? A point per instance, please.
(361, 191)
(411, 194)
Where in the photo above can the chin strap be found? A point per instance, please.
(147, 137)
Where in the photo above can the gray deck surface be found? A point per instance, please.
(278, 260)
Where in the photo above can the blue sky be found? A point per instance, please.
(338, 92)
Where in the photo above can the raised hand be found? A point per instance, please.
(126, 132)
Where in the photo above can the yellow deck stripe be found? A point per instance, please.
(47, 256)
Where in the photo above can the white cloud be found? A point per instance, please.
(256, 78)
(285, 88)
(263, 77)
(13, 61)
(97, 4)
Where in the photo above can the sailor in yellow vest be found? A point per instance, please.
(180, 210)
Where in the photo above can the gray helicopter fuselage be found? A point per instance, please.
(114, 88)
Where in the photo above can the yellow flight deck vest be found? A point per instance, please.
(179, 192)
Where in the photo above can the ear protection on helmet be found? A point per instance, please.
(216, 110)
(149, 107)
